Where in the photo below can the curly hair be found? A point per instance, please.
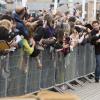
(6, 23)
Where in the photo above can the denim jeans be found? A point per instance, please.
(97, 70)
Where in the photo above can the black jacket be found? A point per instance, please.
(94, 37)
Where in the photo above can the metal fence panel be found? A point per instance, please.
(33, 78)
(19, 73)
(4, 74)
(16, 80)
(47, 73)
(60, 68)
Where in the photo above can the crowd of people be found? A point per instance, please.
(36, 32)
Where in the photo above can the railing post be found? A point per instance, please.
(41, 55)
(27, 71)
(55, 65)
(6, 74)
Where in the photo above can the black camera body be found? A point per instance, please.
(78, 29)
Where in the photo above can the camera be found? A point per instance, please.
(78, 29)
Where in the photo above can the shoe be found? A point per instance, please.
(96, 80)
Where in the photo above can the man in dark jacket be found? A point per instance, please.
(95, 40)
(18, 15)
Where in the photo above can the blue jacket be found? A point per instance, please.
(20, 25)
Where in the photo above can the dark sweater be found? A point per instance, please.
(94, 38)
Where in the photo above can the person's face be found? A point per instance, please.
(66, 17)
(74, 32)
(30, 19)
(14, 24)
(96, 26)
(78, 13)
(77, 5)
(24, 11)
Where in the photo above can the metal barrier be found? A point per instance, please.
(19, 73)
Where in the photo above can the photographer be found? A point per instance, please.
(95, 40)
(5, 35)
(18, 15)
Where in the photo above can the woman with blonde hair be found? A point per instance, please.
(6, 23)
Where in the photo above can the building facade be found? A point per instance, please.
(90, 10)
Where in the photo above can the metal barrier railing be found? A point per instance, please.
(19, 73)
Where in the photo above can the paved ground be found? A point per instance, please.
(89, 91)
(86, 90)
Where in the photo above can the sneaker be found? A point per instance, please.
(96, 80)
